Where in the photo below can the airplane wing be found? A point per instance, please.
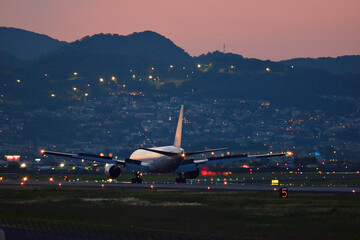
(205, 151)
(85, 156)
(192, 165)
(130, 164)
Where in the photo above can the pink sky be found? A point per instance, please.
(264, 29)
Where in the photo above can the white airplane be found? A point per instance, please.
(162, 159)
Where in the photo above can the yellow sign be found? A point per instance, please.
(274, 182)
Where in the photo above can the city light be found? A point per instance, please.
(23, 165)
(113, 78)
(12, 158)
(268, 69)
(289, 154)
(62, 165)
(18, 80)
(199, 65)
(74, 88)
(75, 73)
(101, 79)
(150, 77)
(86, 94)
(52, 95)
(171, 66)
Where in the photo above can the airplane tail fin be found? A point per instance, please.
(177, 141)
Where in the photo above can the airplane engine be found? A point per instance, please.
(112, 171)
(192, 174)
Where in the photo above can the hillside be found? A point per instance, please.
(25, 44)
(8, 61)
(147, 62)
(144, 44)
(339, 65)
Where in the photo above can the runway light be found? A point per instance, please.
(62, 165)
(22, 183)
(353, 191)
(42, 151)
(23, 165)
(289, 154)
(59, 184)
(51, 179)
(152, 186)
(1, 178)
(208, 188)
(225, 183)
(24, 179)
(102, 185)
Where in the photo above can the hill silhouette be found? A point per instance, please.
(150, 63)
(338, 65)
(25, 44)
(144, 44)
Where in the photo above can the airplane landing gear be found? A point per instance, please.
(180, 179)
(137, 178)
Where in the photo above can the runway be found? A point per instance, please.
(189, 186)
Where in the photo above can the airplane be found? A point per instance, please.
(164, 159)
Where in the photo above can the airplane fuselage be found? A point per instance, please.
(157, 162)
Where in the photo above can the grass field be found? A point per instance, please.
(225, 214)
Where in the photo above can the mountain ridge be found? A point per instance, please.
(338, 65)
(26, 45)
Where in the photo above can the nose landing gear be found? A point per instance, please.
(137, 178)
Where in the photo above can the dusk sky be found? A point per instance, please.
(264, 29)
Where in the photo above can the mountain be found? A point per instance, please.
(25, 44)
(144, 44)
(226, 60)
(148, 62)
(339, 65)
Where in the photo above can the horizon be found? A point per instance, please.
(274, 30)
(91, 35)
